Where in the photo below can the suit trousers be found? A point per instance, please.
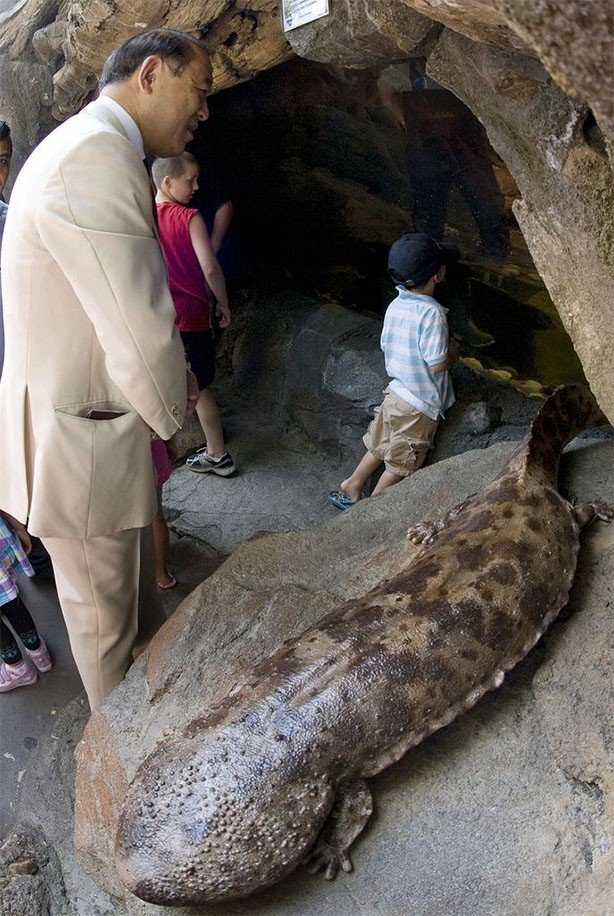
(107, 592)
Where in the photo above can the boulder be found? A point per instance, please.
(504, 811)
(334, 376)
(306, 365)
(481, 418)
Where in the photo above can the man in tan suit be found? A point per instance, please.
(93, 361)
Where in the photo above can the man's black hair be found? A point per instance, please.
(5, 133)
(169, 44)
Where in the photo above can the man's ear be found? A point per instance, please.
(439, 277)
(148, 72)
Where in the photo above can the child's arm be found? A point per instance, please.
(453, 354)
(221, 222)
(201, 243)
(438, 351)
(20, 530)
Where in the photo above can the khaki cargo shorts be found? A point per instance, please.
(400, 435)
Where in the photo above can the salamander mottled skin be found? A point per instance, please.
(239, 797)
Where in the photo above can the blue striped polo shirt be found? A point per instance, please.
(415, 338)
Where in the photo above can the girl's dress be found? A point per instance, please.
(13, 560)
(161, 461)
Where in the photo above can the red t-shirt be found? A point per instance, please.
(185, 276)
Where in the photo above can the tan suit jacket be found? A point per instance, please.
(89, 324)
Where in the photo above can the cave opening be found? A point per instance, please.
(326, 167)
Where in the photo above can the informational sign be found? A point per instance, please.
(300, 12)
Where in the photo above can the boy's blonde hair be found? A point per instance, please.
(173, 167)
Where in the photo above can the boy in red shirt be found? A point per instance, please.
(193, 269)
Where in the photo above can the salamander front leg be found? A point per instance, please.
(352, 809)
(588, 512)
(424, 533)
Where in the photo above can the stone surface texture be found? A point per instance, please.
(30, 875)
(574, 39)
(26, 91)
(508, 810)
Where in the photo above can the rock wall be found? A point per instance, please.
(573, 39)
(320, 371)
(566, 211)
(323, 179)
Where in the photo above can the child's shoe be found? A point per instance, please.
(41, 657)
(20, 675)
(202, 462)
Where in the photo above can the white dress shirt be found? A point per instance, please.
(127, 122)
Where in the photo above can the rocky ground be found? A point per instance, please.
(284, 478)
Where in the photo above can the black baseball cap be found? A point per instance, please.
(416, 257)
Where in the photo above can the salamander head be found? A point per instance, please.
(197, 827)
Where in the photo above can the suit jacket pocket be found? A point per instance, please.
(95, 476)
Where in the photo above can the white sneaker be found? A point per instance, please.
(202, 463)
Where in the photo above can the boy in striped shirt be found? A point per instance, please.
(418, 355)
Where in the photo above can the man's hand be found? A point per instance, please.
(223, 314)
(193, 396)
